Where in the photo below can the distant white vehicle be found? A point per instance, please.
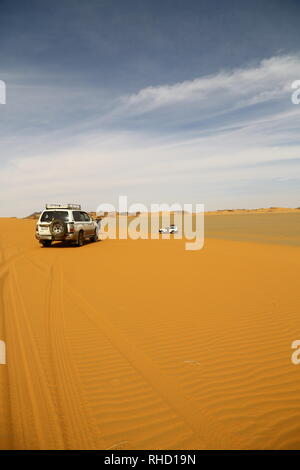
(172, 229)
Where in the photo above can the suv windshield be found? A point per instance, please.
(48, 216)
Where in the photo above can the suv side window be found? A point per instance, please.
(86, 217)
(78, 216)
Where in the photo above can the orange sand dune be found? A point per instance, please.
(263, 210)
(127, 344)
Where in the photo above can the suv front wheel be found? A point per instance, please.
(94, 237)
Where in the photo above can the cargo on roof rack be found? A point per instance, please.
(63, 206)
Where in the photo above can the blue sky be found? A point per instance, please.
(163, 101)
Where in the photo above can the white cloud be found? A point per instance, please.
(271, 79)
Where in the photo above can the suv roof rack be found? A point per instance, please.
(63, 206)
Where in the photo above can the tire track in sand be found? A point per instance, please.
(35, 422)
(6, 440)
(78, 428)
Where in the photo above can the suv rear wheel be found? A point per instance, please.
(80, 240)
(46, 243)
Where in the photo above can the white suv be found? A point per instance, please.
(65, 223)
(172, 229)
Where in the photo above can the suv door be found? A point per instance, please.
(88, 224)
(78, 221)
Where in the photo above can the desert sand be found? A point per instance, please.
(126, 344)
